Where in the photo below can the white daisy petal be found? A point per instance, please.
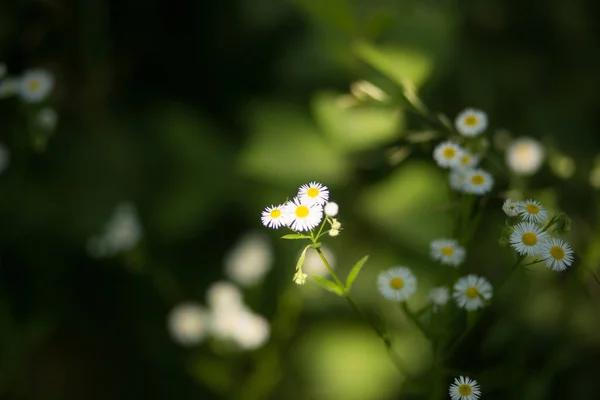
(302, 216)
(464, 388)
(471, 122)
(397, 283)
(313, 192)
(273, 217)
(532, 210)
(477, 181)
(528, 238)
(557, 254)
(471, 292)
(447, 251)
(447, 154)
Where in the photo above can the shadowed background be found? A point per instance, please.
(201, 113)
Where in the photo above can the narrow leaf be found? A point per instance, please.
(328, 285)
(354, 272)
(300, 262)
(295, 236)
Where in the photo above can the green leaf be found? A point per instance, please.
(354, 272)
(329, 285)
(295, 236)
(397, 63)
(300, 262)
(338, 14)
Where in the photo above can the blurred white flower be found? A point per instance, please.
(9, 87)
(4, 157)
(448, 154)
(122, 232)
(471, 292)
(447, 251)
(36, 85)
(525, 156)
(397, 283)
(457, 179)
(331, 209)
(439, 296)
(47, 118)
(477, 181)
(471, 122)
(334, 232)
(313, 265)
(188, 323)
(251, 331)
(249, 261)
(468, 160)
(510, 208)
(224, 295)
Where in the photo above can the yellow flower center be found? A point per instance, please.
(301, 211)
(529, 238)
(465, 160)
(34, 85)
(465, 389)
(557, 252)
(396, 283)
(532, 208)
(477, 179)
(449, 152)
(447, 251)
(312, 192)
(275, 213)
(471, 120)
(472, 292)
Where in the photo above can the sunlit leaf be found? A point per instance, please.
(354, 272)
(295, 236)
(328, 285)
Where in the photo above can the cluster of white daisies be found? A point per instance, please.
(465, 176)
(470, 292)
(530, 238)
(304, 212)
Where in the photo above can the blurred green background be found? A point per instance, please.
(203, 112)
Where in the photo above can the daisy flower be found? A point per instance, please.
(525, 156)
(465, 388)
(510, 208)
(470, 292)
(439, 296)
(250, 259)
(557, 254)
(447, 251)
(468, 160)
(478, 181)
(188, 323)
(272, 217)
(302, 216)
(331, 209)
(528, 238)
(471, 122)
(447, 154)
(36, 85)
(533, 211)
(457, 178)
(314, 192)
(397, 283)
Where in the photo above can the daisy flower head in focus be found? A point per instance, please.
(447, 154)
(447, 251)
(510, 208)
(313, 192)
(272, 217)
(478, 181)
(301, 216)
(532, 210)
(439, 296)
(557, 254)
(397, 283)
(471, 122)
(528, 238)
(36, 85)
(464, 388)
(471, 292)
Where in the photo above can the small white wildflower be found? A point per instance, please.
(334, 232)
(36, 85)
(313, 192)
(272, 217)
(439, 296)
(302, 216)
(224, 295)
(335, 224)
(525, 156)
(300, 278)
(532, 210)
(331, 209)
(250, 260)
(121, 233)
(397, 283)
(457, 178)
(468, 160)
(465, 388)
(471, 122)
(447, 154)
(188, 323)
(477, 181)
(250, 331)
(528, 238)
(470, 292)
(447, 251)
(557, 254)
(510, 208)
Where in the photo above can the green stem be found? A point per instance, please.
(333, 274)
(414, 319)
